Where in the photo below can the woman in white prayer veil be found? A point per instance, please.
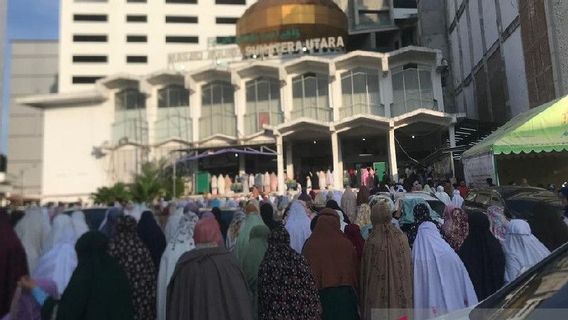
(457, 199)
(522, 249)
(173, 221)
(442, 195)
(180, 243)
(298, 225)
(441, 281)
(33, 230)
(79, 224)
(60, 260)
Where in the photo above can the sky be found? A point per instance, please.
(30, 20)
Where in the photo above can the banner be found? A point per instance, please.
(478, 169)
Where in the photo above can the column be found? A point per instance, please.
(280, 164)
(452, 134)
(337, 161)
(242, 164)
(290, 161)
(393, 166)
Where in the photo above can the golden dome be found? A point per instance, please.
(274, 21)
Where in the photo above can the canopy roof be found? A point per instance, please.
(541, 129)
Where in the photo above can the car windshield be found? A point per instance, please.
(540, 289)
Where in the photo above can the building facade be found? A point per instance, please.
(316, 112)
(34, 71)
(505, 56)
(99, 38)
(3, 8)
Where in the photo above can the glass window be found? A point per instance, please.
(412, 88)
(173, 96)
(360, 91)
(263, 103)
(130, 99)
(217, 109)
(310, 95)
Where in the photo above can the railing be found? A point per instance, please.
(401, 108)
(130, 130)
(362, 108)
(173, 123)
(322, 114)
(217, 123)
(252, 121)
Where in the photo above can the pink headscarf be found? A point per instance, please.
(455, 227)
(207, 230)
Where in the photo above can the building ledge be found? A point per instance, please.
(63, 99)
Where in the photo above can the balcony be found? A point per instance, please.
(322, 114)
(255, 121)
(217, 123)
(173, 123)
(362, 108)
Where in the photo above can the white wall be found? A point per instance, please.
(509, 11)
(70, 133)
(515, 69)
(465, 46)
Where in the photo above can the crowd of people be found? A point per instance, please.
(326, 255)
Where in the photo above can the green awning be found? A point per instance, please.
(541, 129)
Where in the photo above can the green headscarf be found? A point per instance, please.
(253, 256)
(252, 220)
(98, 288)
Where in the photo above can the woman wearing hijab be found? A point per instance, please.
(234, 229)
(59, 262)
(457, 200)
(483, 256)
(13, 264)
(33, 231)
(349, 203)
(353, 233)
(252, 219)
(333, 261)
(152, 236)
(497, 222)
(364, 220)
(441, 281)
(420, 213)
(362, 195)
(286, 286)
(298, 225)
(180, 243)
(455, 228)
(108, 226)
(522, 249)
(208, 283)
(134, 258)
(386, 269)
(79, 223)
(343, 219)
(443, 196)
(174, 216)
(98, 288)
(253, 256)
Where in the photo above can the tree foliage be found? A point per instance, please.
(117, 193)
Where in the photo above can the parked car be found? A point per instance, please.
(539, 207)
(93, 216)
(436, 204)
(539, 293)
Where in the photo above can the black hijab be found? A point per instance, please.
(332, 204)
(483, 257)
(152, 236)
(267, 215)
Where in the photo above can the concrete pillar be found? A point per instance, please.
(393, 166)
(452, 134)
(240, 105)
(242, 164)
(290, 161)
(280, 164)
(337, 161)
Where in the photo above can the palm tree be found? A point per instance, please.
(148, 184)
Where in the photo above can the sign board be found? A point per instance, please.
(478, 169)
(308, 46)
(380, 169)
